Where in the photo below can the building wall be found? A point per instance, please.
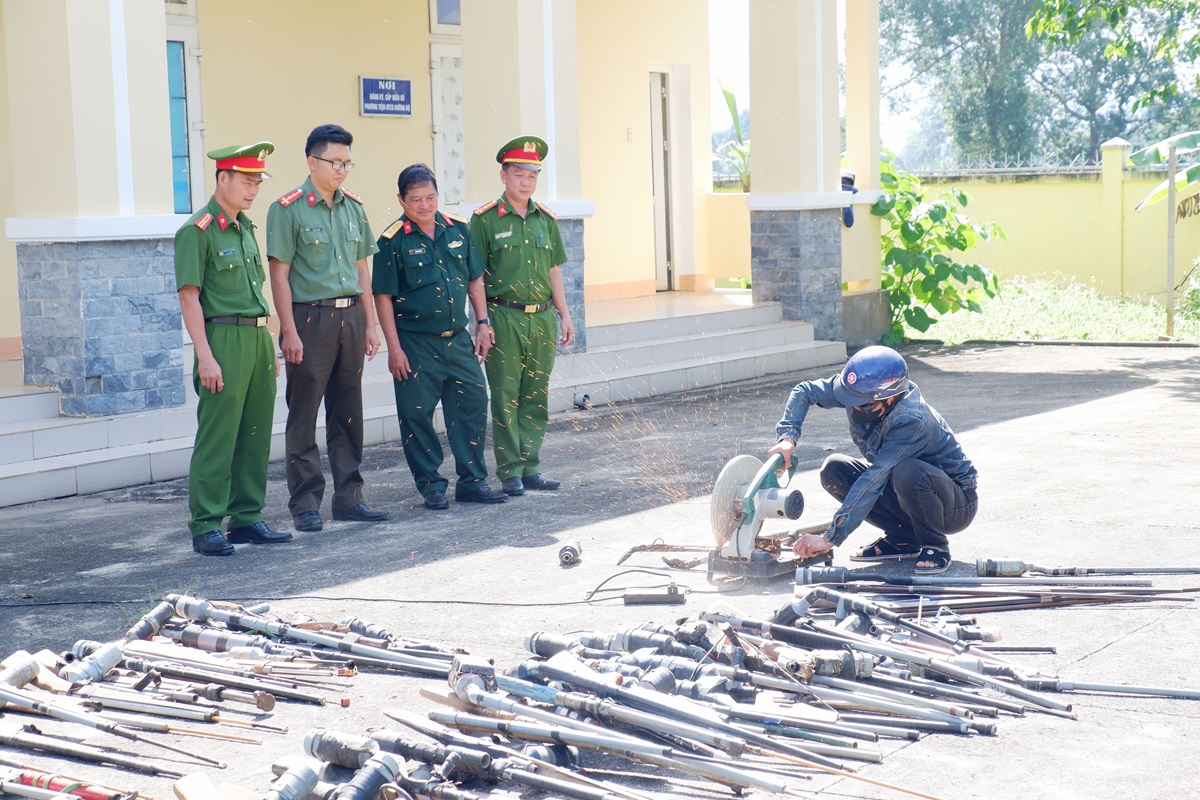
(268, 73)
(616, 57)
(1055, 225)
(10, 317)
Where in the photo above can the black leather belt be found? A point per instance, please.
(528, 308)
(257, 322)
(333, 302)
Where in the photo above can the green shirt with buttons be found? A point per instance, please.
(427, 278)
(519, 252)
(321, 244)
(220, 256)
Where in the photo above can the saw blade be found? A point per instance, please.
(726, 504)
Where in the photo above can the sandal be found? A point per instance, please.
(885, 549)
(940, 558)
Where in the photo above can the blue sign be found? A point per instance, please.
(385, 97)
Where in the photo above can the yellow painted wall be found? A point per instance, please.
(268, 73)
(728, 235)
(10, 320)
(620, 43)
(149, 110)
(1054, 225)
(34, 36)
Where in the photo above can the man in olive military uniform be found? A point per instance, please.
(220, 277)
(425, 271)
(318, 242)
(523, 249)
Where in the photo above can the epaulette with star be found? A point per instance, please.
(545, 210)
(392, 229)
(352, 196)
(204, 221)
(483, 209)
(291, 197)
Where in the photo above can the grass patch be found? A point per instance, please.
(1060, 308)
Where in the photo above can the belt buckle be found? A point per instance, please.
(260, 322)
(341, 302)
(531, 308)
(446, 334)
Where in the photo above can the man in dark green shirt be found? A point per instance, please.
(425, 271)
(220, 277)
(318, 242)
(523, 248)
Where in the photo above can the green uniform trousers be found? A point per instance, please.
(228, 474)
(446, 369)
(518, 370)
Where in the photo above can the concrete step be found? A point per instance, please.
(51, 456)
(25, 404)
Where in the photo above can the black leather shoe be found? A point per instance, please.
(538, 481)
(361, 513)
(258, 533)
(512, 487)
(212, 544)
(480, 493)
(436, 500)
(308, 521)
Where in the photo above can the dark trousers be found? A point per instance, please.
(919, 506)
(330, 371)
(445, 369)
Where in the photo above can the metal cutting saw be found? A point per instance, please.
(747, 493)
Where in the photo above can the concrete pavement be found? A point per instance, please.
(1086, 458)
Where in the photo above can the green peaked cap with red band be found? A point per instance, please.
(244, 157)
(524, 151)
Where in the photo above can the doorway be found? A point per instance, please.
(660, 160)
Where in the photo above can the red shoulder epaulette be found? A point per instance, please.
(204, 221)
(291, 197)
(545, 210)
(485, 207)
(352, 196)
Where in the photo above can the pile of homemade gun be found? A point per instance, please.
(748, 704)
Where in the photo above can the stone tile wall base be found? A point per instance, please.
(796, 260)
(100, 322)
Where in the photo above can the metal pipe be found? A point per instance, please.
(19, 698)
(1006, 567)
(202, 611)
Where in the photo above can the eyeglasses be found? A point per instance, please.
(337, 164)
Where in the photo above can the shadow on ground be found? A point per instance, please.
(82, 567)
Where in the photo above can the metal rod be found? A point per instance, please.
(20, 698)
(988, 567)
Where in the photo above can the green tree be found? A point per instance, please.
(975, 58)
(1163, 32)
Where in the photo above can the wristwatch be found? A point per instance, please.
(484, 321)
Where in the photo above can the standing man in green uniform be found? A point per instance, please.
(220, 277)
(425, 271)
(318, 241)
(523, 248)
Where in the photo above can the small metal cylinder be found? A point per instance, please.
(570, 552)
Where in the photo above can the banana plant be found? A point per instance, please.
(1160, 153)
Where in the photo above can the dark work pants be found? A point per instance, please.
(330, 371)
(445, 369)
(919, 506)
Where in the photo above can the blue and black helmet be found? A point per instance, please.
(873, 373)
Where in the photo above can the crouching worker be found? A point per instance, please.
(913, 481)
